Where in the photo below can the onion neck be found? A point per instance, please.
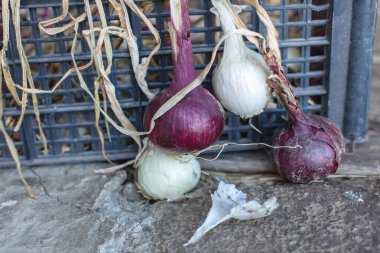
(183, 63)
(283, 89)
(234, 44)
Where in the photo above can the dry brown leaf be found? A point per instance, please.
(11, 146)
(4, 62)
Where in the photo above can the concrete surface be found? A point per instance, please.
(77, 211)
(80, 212)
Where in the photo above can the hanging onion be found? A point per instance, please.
(198, 119)
(239, 79)
(167, 169)
(320, 140)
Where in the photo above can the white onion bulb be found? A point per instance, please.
(239, 79)
(162, 175)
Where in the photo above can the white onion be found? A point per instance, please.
(239, 79)
(162, 175)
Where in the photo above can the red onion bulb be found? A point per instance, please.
(198, 119)
(321, 141)
(321, 151)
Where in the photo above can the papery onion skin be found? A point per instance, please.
(320, 152)
(198, 119)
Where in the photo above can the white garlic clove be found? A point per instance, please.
(254, 210)
(229, 202)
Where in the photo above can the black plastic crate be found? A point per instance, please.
(314, 40)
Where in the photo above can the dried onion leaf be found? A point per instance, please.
(98, 81)
(132, 46)
(272, 34)
(114, 168)
(105, 108)
(45, 26)
(84, 86)
(15, 7)
(26, 74)
(11, 146)
(107, 41)
(4, 62)
(97, 118)
(142, 68)
(109, 87)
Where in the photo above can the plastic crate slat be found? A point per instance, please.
(313, 40)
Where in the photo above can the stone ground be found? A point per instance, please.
(77, 211)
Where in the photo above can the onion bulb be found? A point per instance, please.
(321, 141)
(321, 149)
(239, 79)
(162, 175)
(196, 121)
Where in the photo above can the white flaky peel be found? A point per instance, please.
(166, 176)
(239, 79)
(229, 202)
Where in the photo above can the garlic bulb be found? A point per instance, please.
(162, 175)
(239, 79)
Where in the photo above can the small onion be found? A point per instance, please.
(161, 175)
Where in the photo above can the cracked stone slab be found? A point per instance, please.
(75, 184)
(75, 211)
(60, 217)
(47, 226)
(11, 187)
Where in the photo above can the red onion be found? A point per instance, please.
(320, 140)
(198, 119)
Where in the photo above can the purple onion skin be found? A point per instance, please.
(197, 121)
(321, 153)
(193, 124)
